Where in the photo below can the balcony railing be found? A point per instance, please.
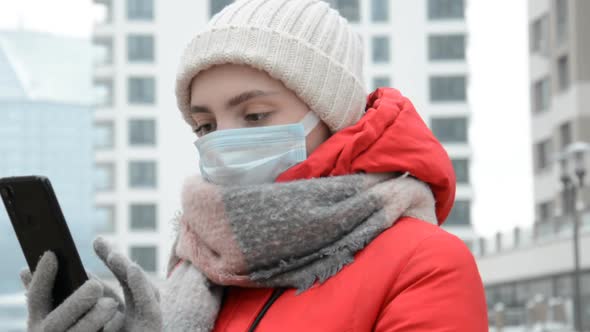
(541, 232)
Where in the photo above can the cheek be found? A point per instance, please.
(318, 135)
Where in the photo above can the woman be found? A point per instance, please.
(317, 208)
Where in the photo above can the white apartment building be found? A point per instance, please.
(560, 92)
(517, 268)
(144, 150)
(419, 47)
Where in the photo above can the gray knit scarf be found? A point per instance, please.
(288, 234)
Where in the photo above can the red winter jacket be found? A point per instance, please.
(413, 277)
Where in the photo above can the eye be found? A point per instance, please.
(204, 129)
(257, 117)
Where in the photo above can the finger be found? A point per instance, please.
(147, 306)
(109, 291)
(116, 263)
(25, 277)
(39, 294)
(74, 307)
(104, 310)
(116, 323)
(102, 248)
(119, 264)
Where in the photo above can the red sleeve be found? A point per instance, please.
(439, 289)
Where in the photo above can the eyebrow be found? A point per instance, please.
(235, 101)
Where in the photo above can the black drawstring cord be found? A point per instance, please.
(275, 295)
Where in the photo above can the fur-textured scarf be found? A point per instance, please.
(288, 234)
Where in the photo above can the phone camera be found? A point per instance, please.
(7, 193)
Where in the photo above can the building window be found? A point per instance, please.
(446, 9)
(450, 129)
(461, 167)
(522, 293)
(142, 216)
(105, 215)
(215, 6)
(103, 48)
(105, 177)
(460, 214)
(585, 283)
(141, 90)
(145, 256)
(349, 9)
(565, 135)
(561, 13)
(563, 72)
(381, 81)
(545, 211)
(506, 295)
(564, 286)
(540, 35)
(381, 49)
(140, 48)
(103, 92)
(142, 132)
(142, 174)
(448, 88)
(541, 287)
(104, 135)
(542, 95)
(140, 10)
(446, 47)
(543, 152)
(380, 10)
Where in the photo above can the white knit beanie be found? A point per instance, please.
(305, 44)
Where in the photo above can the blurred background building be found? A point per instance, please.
(560, 75)
(419, 47)
(140, 165)
(539, 263)
(45, 129)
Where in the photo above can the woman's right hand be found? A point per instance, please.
(87, 309)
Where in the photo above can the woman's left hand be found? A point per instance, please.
(142, 299)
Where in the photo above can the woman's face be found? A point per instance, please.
(234, 96)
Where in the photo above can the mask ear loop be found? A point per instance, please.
(309, 122)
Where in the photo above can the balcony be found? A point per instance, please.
(102, 12)
(104, 92)
(102, 52)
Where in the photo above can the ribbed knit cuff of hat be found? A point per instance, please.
(327, 87)
(304, 44)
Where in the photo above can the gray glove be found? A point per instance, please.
(142, 299)
(85, 310)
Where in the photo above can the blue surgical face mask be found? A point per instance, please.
(257, 155)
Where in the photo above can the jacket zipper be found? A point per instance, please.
(275, 295)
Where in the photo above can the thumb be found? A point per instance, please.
(39, 294)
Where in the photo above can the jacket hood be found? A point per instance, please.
(390, 137)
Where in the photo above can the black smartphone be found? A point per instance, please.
(39, 225)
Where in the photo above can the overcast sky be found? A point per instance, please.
(500, 128)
